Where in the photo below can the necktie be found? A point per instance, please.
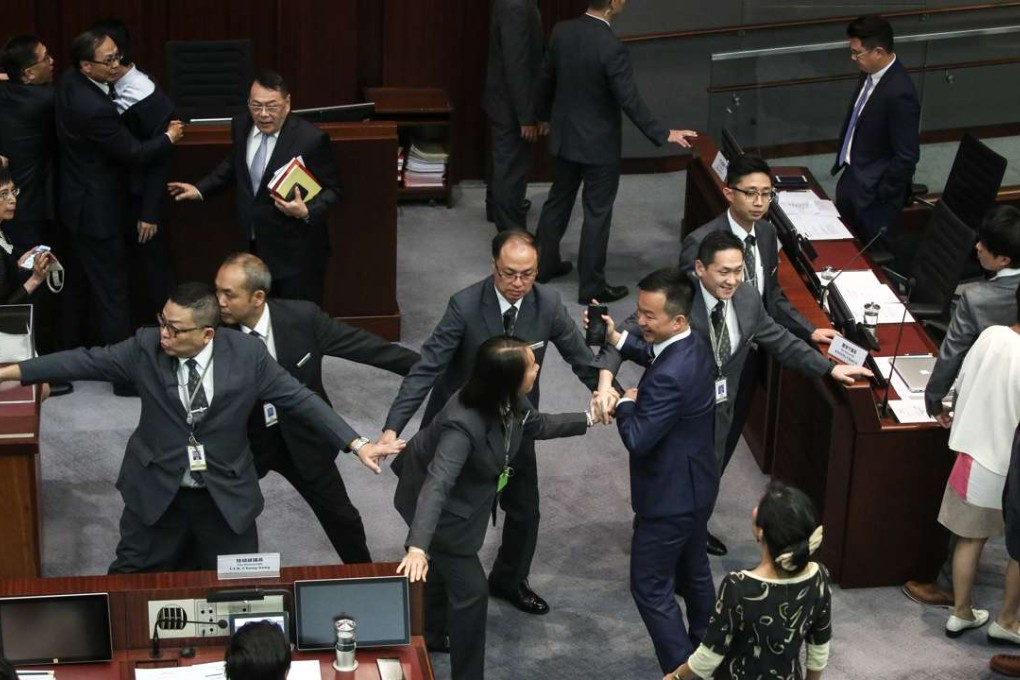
(722, 333)
(199, 403)
(868, 84)
(509, 320)
(650, 355)
(750, 261)
(255, 334)
(258, 164)
(112, 93)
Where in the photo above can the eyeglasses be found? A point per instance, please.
(766, 195)
(854, 54)
(110, 60)
(9, 194)
(47, 59)
(256, 107)
(173, 330)
(513, 276)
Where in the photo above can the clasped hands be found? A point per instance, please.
(603, 405)
(373, 453)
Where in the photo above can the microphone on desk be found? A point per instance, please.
(896, 350)
(857, 255)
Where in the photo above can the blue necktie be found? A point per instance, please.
(258, 164)
(868, 84)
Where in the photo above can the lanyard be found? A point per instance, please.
(717, 342)
(191, 395)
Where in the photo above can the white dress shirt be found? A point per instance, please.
(742, 234)
(505, 304)
(203, 359)
(875, 78)
(732, 326)
(254, 140)
(131, 88)
(264, 328)
(105, 87)
(1006, 271)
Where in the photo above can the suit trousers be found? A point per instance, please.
(152, 276)
(600, 185)
(519, 501)
(869, 219)
(189, 535)
(320, 484)
(511, 161)
(754, 366)
(668, 556)
(457, 604)
(104, 262)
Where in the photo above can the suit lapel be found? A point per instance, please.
(168, 371)
(281, 151)
(241, 149)
(284, 337)
(526, 317)
(221, 370)
(490, 308)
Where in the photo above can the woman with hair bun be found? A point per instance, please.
(764, 615)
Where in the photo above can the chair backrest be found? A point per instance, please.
(209, 78)
(973, 181)
(941, 257)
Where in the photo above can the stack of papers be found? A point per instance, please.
(36, 675)
(299, 670)
(858, 288)
(294, 174)
(426, 165)
(815, 218)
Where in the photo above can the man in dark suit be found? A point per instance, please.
(188, 480)
(880, 143)
(667, 426)
(28, 138)
(290, 235)
(515, 58)
(508, 302)
(586, 81)
(298, 334)
(96, 154)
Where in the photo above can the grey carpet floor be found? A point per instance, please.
(581, 565)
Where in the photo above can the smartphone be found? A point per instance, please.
(595, 336)
(29, 262)
(790, 181)
(390, 669)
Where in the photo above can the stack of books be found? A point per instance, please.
(426, 164)
(401, 158)
(294, 174)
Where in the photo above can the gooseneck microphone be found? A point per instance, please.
(177, 624)
(857, 255)
(896, 350)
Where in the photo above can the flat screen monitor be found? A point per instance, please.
(380, 606)
(730, 147)
(348, 113)
(280, 619)
(55, 629)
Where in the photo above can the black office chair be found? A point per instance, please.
(209, 78)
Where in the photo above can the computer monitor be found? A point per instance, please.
(730, 147)
(843, 321)
(348, 113)
(380, 606)
(54, 629)
(796, 247)
(280, 619)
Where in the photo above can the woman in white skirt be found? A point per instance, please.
(985, 415)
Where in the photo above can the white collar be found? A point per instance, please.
(202, 358)
(877, 75)
(1006, 271)
(710, 300)
(658, 347)
(602, 19)
(505, 304)
(262, 326)
(255, 132)
(105, 87)
(737, 229)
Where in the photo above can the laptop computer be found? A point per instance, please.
(915, 371)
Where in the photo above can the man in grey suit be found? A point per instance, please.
(515, 57)
(508, 302)
(188, 480)
(586, 81)
(984, 304)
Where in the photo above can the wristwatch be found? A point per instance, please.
(358, 443)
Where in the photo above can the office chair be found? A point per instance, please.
(209, 78)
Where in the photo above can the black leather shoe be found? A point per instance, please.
(438, 645)
(715, 546)
(59, 389)
(607, 294)
(523, 597)
(562, 269)
(125, 390)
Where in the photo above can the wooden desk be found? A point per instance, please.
(877, 483)
(20, 505)
(131, 634)
(361, 278)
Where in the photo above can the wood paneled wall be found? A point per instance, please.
(326, 49)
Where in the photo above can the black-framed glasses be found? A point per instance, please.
(8, 194)
(766, 195)
(47, 59)
(173, 330)
(508, 275)
(854, 54)
(110, 60)
(272, 109)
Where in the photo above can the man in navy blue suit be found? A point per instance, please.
(879, 141)
(668, 426)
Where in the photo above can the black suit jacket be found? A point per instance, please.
(96, 150)
(287, 244)
(515, 60)
(300, 329)
(148, 119)
(28, 138)
(448, 472)
(886, 144)
(776, 302)
(586, 81)
(12, 292)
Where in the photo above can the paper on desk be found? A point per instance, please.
(819, 227)
(910, 411)
(304, 670)
(201, 671)
(858, 288)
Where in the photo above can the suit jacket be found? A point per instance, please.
(515, 59)
(95, 152)
(669, 429)
(472, 317)
(155, 458)
(287, 244)
(12, 292)
(28, 138)
(300, 329)
(448, 472)
(776, 302)
(586, 81)
(148, 119)
(984, 304)
(886, 144)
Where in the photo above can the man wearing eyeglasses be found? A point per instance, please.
(508, 302)
(291, 236)
(188, 477)
(879, 140)
(97, 155)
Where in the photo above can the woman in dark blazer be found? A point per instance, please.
(12, 290)
(451, 474)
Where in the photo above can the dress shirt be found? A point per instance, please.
(875, 78)
(656, 348)
(254, 139)
(202, 359)
(1007, 271)
(131, 88)
(105, 87)
(731, 317)
(505, 304)
(742, 234)
(264, 328)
